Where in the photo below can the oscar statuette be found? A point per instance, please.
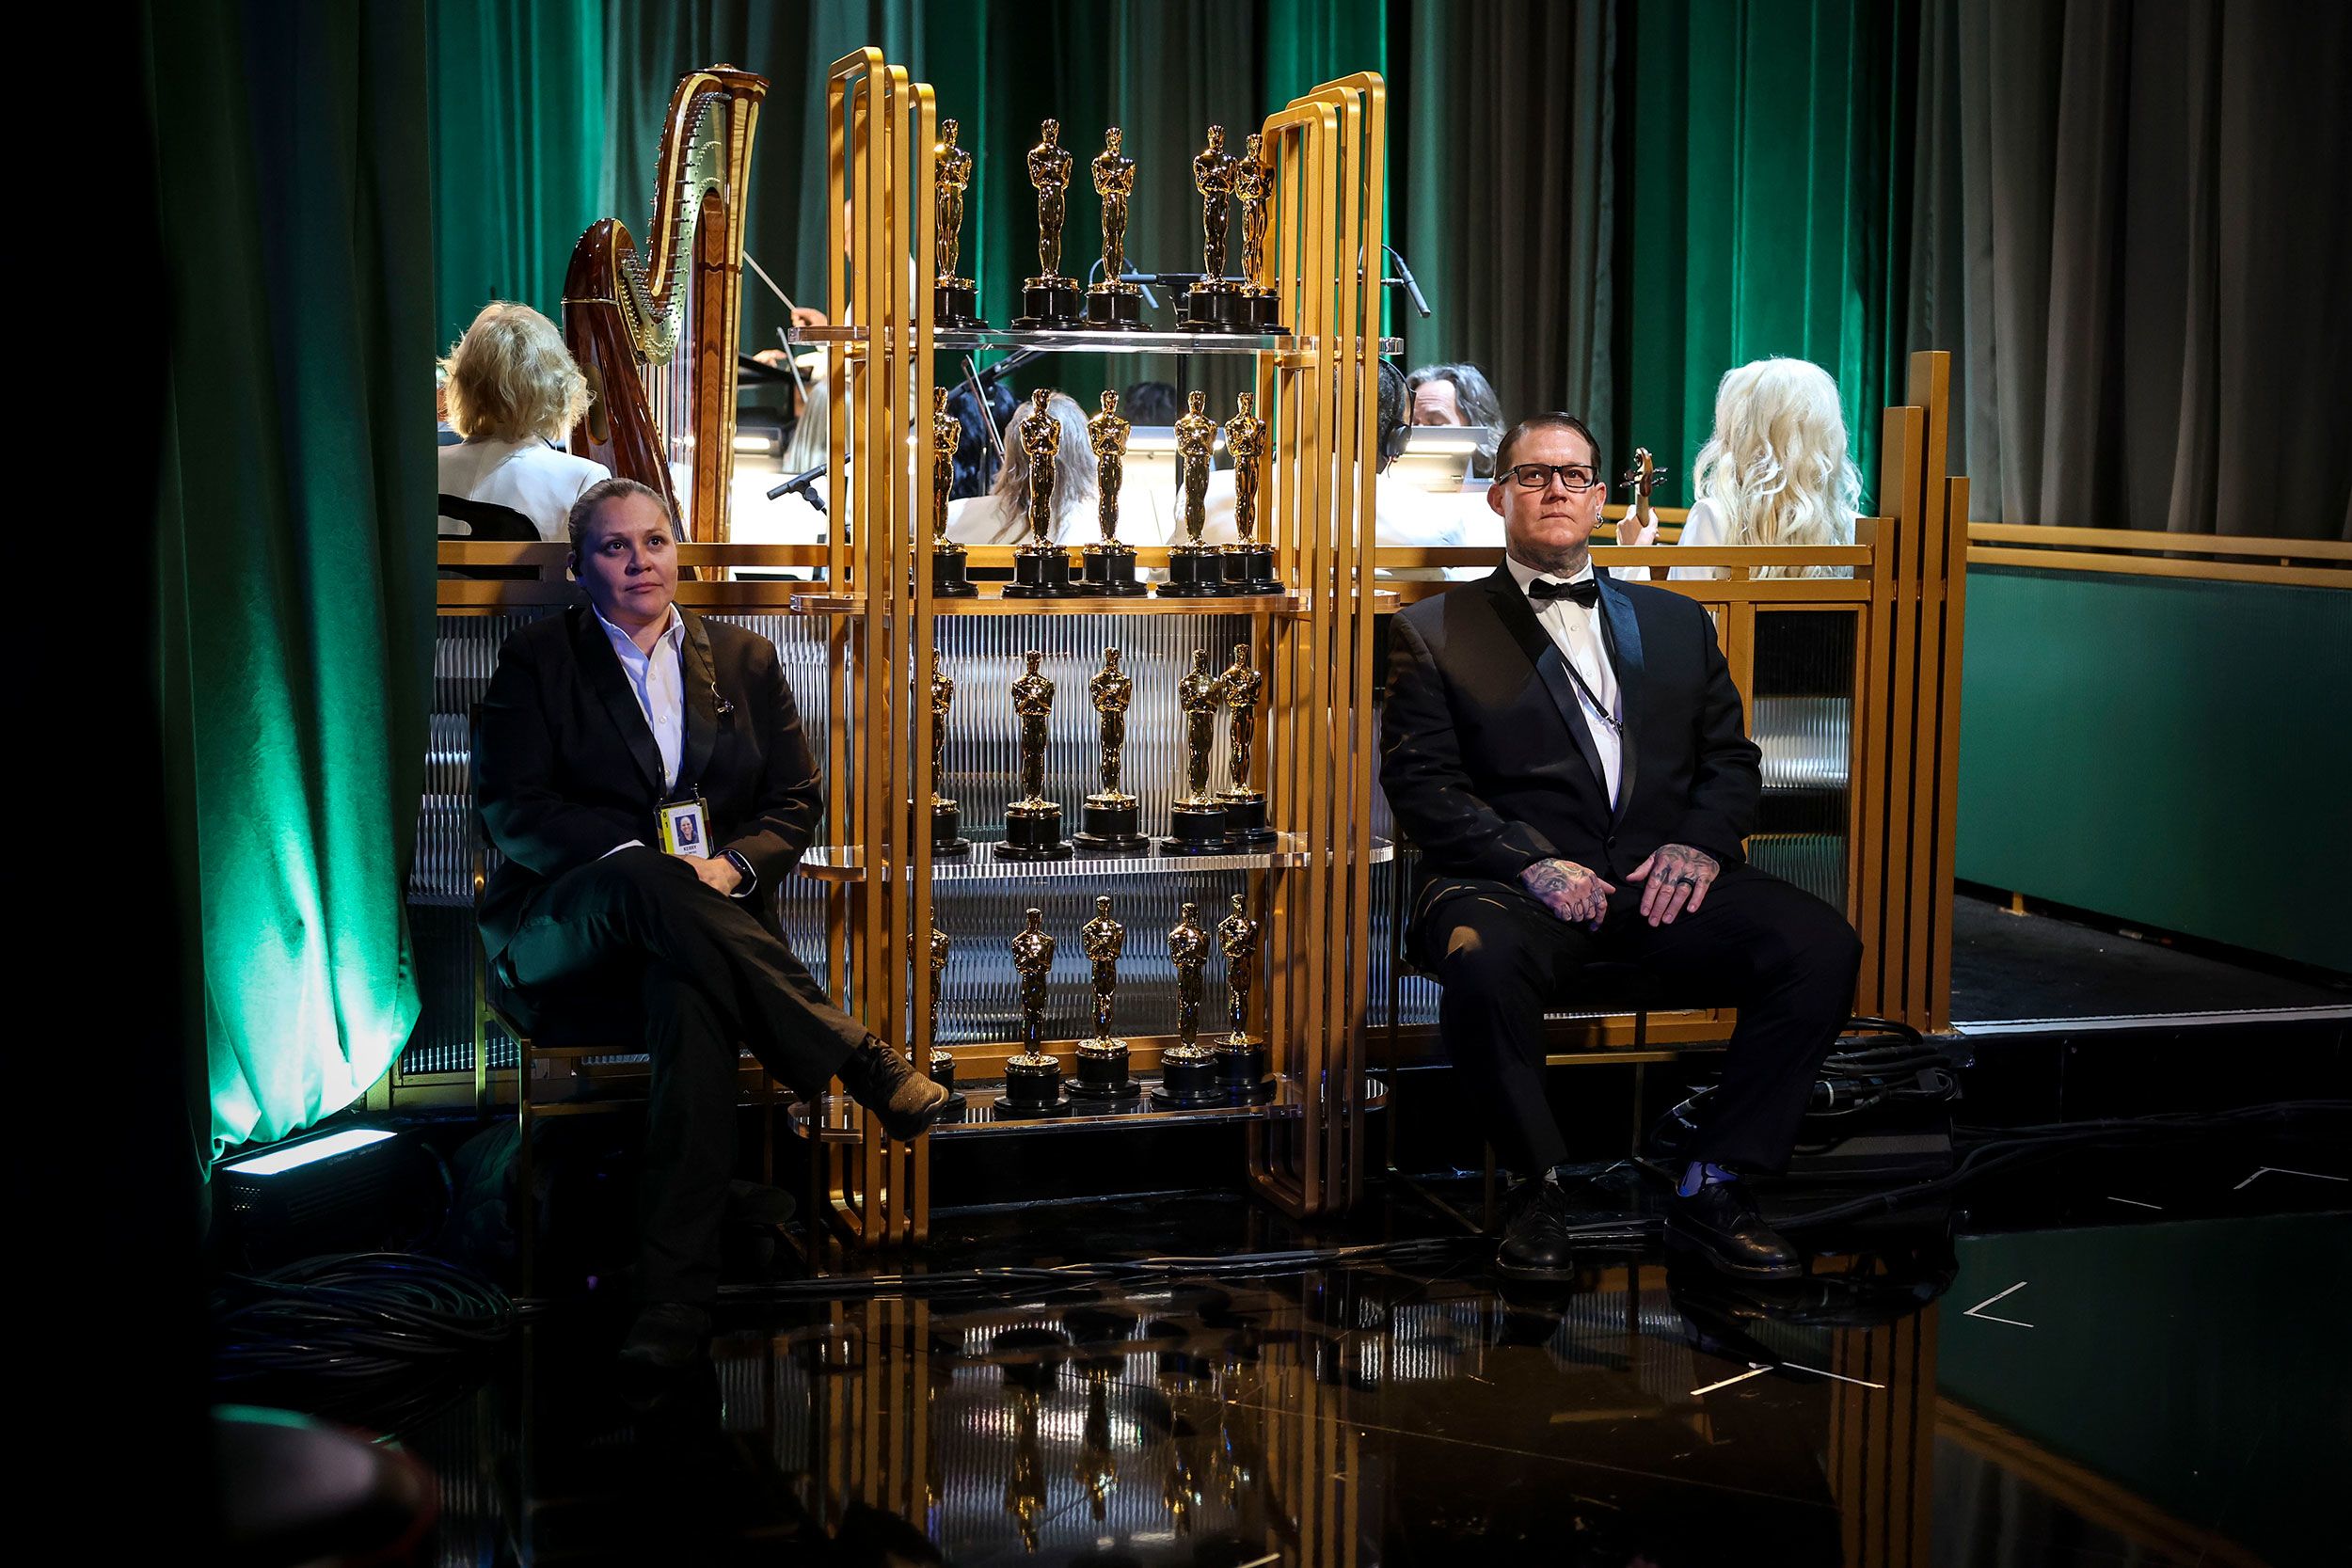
(1049, 301)
(1241, 1057)
(1249, 564)
(947, 840)
(1195, 569)
(1189, 1069)
(1040, 567)
(1032, 1078)
(1253, 188)
(1114, 302)
(1109, 567)
(1244, 803)
(1214, 304)
(1033, 823)
(949, 565)
(1107, 818)
(1103, 1055)
(1196, 820)
(943, 1059)
(955, 301)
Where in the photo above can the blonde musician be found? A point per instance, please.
(1776, 471)
(514, 393)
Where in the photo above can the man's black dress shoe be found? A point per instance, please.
(667, 1335)
(1534, 1233)
(883, 1080)
(1722, 1224)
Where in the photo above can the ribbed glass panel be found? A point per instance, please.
(1801, 710)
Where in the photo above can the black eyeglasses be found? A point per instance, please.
(1574, 477)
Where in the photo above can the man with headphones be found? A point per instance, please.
(606, 731)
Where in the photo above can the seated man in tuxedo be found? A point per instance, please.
(1569, 753)
(594, 720)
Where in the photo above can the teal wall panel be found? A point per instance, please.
(2175, 752)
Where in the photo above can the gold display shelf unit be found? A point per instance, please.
(1315, 388)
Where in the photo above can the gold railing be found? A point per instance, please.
(2150, 553)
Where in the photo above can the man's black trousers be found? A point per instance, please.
(1786, 960)
(714, 979)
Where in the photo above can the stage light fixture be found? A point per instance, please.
(350, 1189)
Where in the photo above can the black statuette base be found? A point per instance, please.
(1107, 827)
(1040, 574)
(1033, 833)
(1188, 1079)
(1214, 306)
(1194, 573)
(1262, 312)
(1110, 570)
(1241, 1068)
(1245, 818)
(956, 306)
(944, 1074)
(1032, 1088)
(947, 840)
(1195, 829)
(1048, 304)
(1103, 1072)
(1119, 309)
(1249, 569)
(949, 575)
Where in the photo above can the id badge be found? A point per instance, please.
(686, 828)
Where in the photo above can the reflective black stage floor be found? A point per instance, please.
(2129, 1358)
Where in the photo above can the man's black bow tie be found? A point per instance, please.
(1586, 593)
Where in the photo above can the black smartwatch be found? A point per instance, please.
(744, 868)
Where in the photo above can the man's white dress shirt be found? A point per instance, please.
(1577, 632)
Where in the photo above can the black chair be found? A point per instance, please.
(487, 523)
(579, 1025)
(1603, 988)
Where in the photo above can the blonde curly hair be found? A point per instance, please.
(512, 379)
(1777, 466)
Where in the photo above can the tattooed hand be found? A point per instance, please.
(1568, 891)
(1678, 877)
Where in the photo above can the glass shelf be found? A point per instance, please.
(990, 600)
(844, 1120)
(1090, 340)
(834, 863)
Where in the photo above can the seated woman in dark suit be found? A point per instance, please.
(595, 720)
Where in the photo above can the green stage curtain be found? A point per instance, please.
(296, 535)
(2132, 220)
(518, 127)
(1763, 208)
(1503, 178)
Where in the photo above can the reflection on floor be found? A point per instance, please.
(2114, 1358)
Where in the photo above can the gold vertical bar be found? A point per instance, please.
(1939, 1008)
(1929, 390)
(914, 536)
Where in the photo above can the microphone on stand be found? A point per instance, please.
(1404, 280)
(803, 486)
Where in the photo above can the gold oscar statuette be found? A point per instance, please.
(1103, 1055)
(1195, 569)
(1245, 805)
(1253, 184)
(1249, 564)
(1114, 301)
(951, 177)
(1107, 566)
(1213, 177)
(1198, 819)
(1049, 300)
(1241, 1056)
(1040, 566)
(950, 567)
(1108, 816)
(1033, 1078)
(947, 816)
(1188, 1070)
(1033, 823)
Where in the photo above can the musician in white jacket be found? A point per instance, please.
(515, 394)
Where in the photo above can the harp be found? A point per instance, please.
(655, 332)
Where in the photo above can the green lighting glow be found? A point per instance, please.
(309, 1152)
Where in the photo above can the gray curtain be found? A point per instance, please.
(1505, 180)
(2129, 225)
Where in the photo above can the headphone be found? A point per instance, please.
(1393, 441)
